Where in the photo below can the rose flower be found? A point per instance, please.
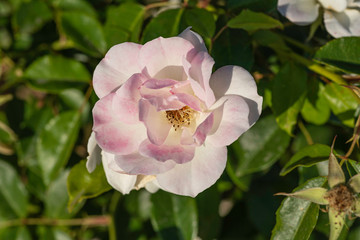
(164, 119)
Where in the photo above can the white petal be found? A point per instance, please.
(301, 12)
(335, 5)
(94, 151)
(124, 183)
(346, 23)
(193, 177)
(194, 38)
(236, 80)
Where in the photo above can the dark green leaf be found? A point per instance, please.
(347, 59)
(201, 21)
(289, 92)
(252, 21)
(56, 142)
(74, 5)
(123, 23)
(75, 100)
(16, 233)
(12, 190)
(296, 218)
(85, 31)
(166, 24)
(259, 148)
(31, 16)
(342, 102)
(54, 73)
(307, 157)
(173, 216)
(82, 185)
(270, 39)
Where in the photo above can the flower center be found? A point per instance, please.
(181, 117)
(340, 198)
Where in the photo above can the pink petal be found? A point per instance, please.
(161, 99)
(193, 177)
(124, 183)
(135, 163)
(194, 38)
(113, 135)
(299, 12)
(157, 84)
(120, 62)
(94, 152)
(236, 80)
(178, 153)
(203, 129)
(164, 52)
(156, 123)
(231, 119)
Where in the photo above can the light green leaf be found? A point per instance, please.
(12, 190)
(85, 31)
(336, 175)
(173, 216)
(201, 21)
(82, 185)
(16, 233)
(289, 92)
(296, 218)
(342, 102)
(307, 157)
(252, 21)
(354, 183)
(166, 24)
(56, 142)
(315, 195)
(259, 148)
(348, 59)
(337, 222)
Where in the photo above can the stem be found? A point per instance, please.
(160, 4)
(86, 98)
(297, 44)
(219, 33)
(89, 221)
(355, 138)
(233, 177)
(306, 133)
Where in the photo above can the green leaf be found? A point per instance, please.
(85, 31)
(74, 5)
(56, 142)
(166, 24)
(270, 39)
(12, 190)
(31, 16)
(201, 21)
(253, 21)
(16, 233)
(55, 73)
(296, 218)
(307, 157)
(289, 92)
(348, 59)
(82, 185)
(316, 109)
(123, 23)
(342, 102)
(75, 100)
(173, 216)
(259, 148)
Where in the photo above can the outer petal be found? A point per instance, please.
(194, 38)
(191, 178)
(336, 175)
(301, 12)
(164, 52)
(203, 129)
(94, 151)
(113, 135)
(124, 183)
(178, 153)
(236, 80)
(120, 62)
(138, 164)
(335, 5)
(231, 119)
(354, 183)
(315, 195)
(343, 24)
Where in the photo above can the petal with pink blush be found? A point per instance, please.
(156, 123)
(111, 133)
(193, 177)
(203, 129)
(136, 163)
(163, 52)
(157, 84)
(231, 119)
(120, 62)
(178, 153)
(236, 80)
(124, 183)
(161, 99)
(300, 12)
(194, 38)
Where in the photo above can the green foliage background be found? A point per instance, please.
(48, 51)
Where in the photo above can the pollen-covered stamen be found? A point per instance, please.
(341, 198)
(181, 117)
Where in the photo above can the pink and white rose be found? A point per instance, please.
(341, 17)
(164, 119)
